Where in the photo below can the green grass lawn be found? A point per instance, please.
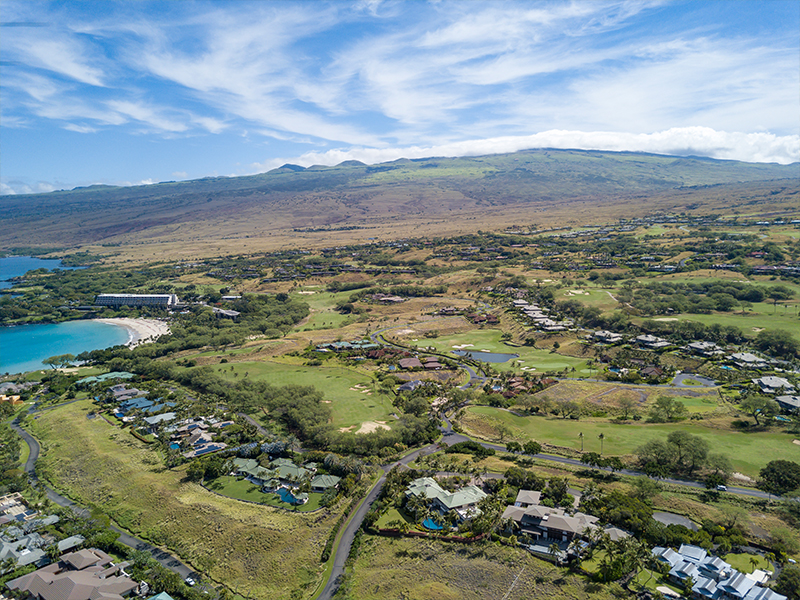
(241, 489)
(489, 339)
(651, 580)
(741, 562)
(350, 405)
(748, 452)
(392, 515)
(762, 316)
(323, 309)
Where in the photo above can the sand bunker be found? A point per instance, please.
(796, 442)
(405, 331)
(370, 426)
(462, 346)
(347, 429)
(305, 293)
(666, 319)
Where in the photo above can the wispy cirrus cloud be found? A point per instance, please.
(268, 80)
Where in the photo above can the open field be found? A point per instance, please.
(419, 569)
(350, 393)
(323, 309)
(276, 551)
(606, 395)
(748, 452)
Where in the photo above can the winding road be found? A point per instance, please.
(163, 557)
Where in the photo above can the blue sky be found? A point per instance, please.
(136, 92)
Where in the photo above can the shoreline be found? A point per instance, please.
(140, 331)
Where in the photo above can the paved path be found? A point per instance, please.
(353, 525)
(163, 557)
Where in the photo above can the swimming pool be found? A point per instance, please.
(432, 525)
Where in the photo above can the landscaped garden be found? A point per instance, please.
(241, 489)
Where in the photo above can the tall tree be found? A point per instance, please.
(779, 477)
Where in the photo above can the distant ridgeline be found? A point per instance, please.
(353, 196)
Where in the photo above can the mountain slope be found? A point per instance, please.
(354, 194)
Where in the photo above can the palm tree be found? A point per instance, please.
(753, 562)
(555, 551)
(580, 435)
(602, 437)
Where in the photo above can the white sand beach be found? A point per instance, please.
(140, 331)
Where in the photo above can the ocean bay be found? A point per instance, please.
(23, 347)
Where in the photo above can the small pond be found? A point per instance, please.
(488, 357)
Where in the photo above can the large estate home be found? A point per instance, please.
(712, 578)
(83, 575)
(464, 502)
(546, 523)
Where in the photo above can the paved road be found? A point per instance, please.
(160, 555)
(451, 437)
(346, 541)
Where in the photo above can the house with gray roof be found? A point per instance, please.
(773, 385)
(788, 402)
(736, 586)
(84, 575)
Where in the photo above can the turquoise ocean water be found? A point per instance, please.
(23, 347)
(16, 266)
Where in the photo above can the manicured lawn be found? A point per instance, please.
(762, 315)
(748, 452)
(323, 309)
(489, 339)
(351, 405)
(392, 515)
(741, 562)
(241, 489)
(651, 580)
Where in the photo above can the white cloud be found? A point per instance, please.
(146, 114)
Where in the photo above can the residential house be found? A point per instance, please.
(747, 360)
(651, 372)
(410, 363)
(607, 337)
(84, 575)
(713, 578)
(322, 483)
(526, 498)
(788, 402)
(463, 502)
(554, 524)
(652, 342)
(706, 349)
(773, 385)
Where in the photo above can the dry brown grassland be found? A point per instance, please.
(257, 551)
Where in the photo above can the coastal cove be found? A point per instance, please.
(17, 266)
(24, 347)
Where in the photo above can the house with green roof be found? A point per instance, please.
(464, 502)
(322, 483)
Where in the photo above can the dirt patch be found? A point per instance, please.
(370, 426)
